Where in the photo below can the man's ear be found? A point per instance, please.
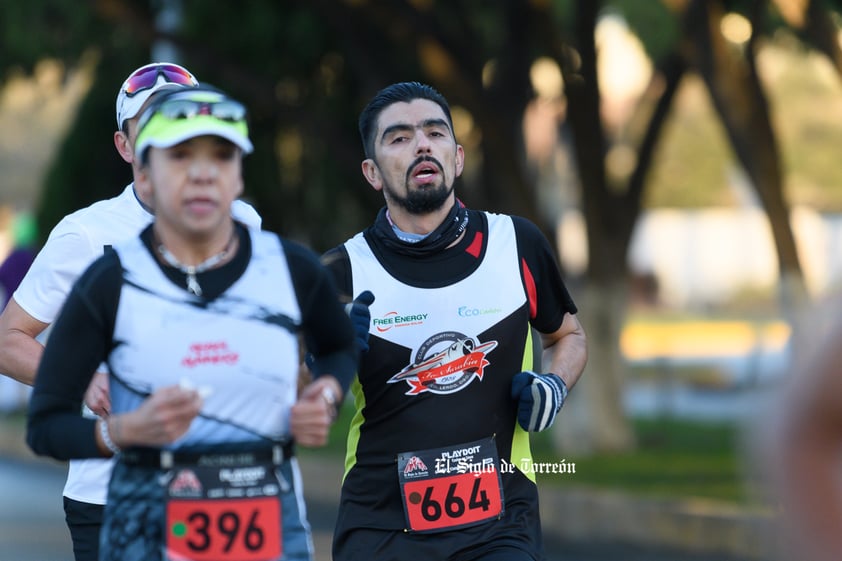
(143, 184)
(372, 174)
(123, 146)
(460, 159)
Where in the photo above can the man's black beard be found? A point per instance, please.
(421, 201)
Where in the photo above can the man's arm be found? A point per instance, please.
(539, 397)
(20, 352)
(566, 350)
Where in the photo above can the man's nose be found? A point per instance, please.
(422, 142)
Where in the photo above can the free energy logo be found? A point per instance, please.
(394, 319)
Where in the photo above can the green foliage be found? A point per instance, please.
(87, 167)
(675, 458)
(284, 62)
(305, 69)
(32, 30)
(694, 160)
(655, 26)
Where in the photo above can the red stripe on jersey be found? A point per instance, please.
(531, 292)
(476, 245)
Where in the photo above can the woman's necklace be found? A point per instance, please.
(192, 270)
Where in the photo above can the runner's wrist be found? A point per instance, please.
(331, 392)
(106, 440)
(332, 395)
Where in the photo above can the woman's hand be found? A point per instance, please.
(162, 418)
(315, 411)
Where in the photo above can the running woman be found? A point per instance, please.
(77, 240)
(199, 321)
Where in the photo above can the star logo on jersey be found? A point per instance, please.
(445, 363)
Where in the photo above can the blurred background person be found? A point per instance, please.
(804, 439)
(17, 263)
(13, 394)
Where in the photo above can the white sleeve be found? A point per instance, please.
(64, 257)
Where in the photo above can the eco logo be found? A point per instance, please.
(445, 363)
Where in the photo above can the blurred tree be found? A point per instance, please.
(692, 39)
(739, 97)
(611, 203)
(812, 20)
(76, 34)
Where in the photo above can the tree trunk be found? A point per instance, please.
(739, 98)
(593, 418)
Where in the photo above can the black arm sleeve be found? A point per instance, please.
(539, 268)
(79, 341)
(328, 333)
(337, 262)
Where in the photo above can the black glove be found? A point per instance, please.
(361, 318)
(539, 398)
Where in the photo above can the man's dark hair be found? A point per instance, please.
(396, 93)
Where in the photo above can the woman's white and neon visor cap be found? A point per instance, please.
(183, 114)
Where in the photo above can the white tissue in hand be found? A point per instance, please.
(203, 391)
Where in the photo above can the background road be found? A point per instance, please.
(31, 516)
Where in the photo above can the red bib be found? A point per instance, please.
(452, 487)
(223, 514)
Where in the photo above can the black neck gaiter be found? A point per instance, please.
(445, 234)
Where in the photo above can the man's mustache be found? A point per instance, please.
(420, 160)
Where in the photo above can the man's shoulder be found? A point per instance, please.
(111, 219)
(340, 252)
(522, 225)
(357, 239)
(122, 205)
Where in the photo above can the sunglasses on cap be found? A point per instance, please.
(174, 109)
(146, 77)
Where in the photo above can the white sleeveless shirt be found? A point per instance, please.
(242, 346)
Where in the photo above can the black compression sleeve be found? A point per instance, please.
(328, 333)
(79, 341)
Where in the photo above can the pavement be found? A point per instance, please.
(573, 518)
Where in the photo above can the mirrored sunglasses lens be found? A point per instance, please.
(146, 78)
(141, 80)
(228, 111)
(176, 75)
(180, 109)
(187, 109)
